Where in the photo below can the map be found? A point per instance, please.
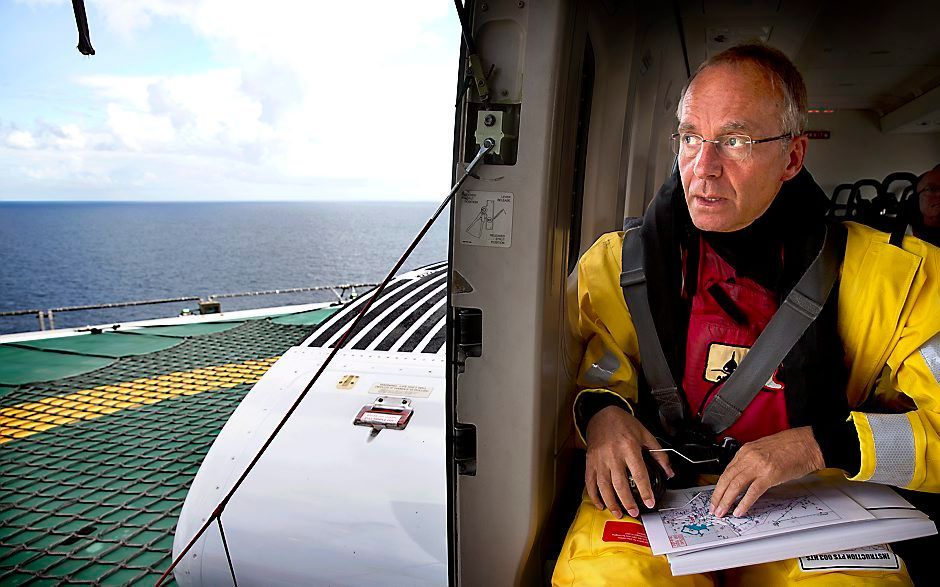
(683, 523)
(779, 508)
(801, 518)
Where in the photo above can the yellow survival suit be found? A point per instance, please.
(889, 326)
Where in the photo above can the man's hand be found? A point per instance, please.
(764, 463)
(615, 440)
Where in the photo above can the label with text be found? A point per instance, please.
(878, 556)
(631, 532)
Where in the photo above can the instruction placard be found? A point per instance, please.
(486, 219)
(400, 390)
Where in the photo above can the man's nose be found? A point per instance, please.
(707, 162)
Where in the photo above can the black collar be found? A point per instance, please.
(794, 222)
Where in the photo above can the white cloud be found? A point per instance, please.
(41, 2)
(198, 113)
(66, 137)
(20, 139)
(321, 91)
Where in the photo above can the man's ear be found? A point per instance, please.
(795, 155)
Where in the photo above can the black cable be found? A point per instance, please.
(465, 87)
(465, 28)
(228, 555)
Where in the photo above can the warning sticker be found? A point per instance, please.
(878, 556)
(485, 219)
(631, 532)
(380, 417)
(400, 390)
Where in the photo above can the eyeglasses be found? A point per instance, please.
(735, 146)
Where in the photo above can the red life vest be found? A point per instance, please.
(728, 314)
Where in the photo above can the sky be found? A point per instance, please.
(228, 100)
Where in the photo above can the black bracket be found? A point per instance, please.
(468, 335)
(465, 448)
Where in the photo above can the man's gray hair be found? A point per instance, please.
(779, 69)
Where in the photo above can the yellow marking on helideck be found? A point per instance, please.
(26, 419)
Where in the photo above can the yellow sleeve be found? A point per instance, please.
(903, 449)
(603, 324)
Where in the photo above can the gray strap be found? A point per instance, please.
(801, 307)
(652, 360)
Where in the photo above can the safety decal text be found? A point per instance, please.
(631, 532)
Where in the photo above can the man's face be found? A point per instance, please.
(928, 189)
(724, 195)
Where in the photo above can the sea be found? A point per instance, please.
(58, 254)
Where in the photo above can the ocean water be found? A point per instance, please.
(67, 254)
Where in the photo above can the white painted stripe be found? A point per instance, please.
(418, 323)
(356, 307)
(407, 301)
(427, 337)
(395, 323)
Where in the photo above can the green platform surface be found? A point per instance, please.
(188, 330)
(95, 502)
(110, 344)
(311, 318)
(19, 365)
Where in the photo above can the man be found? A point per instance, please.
(725, 239)
(927, 191)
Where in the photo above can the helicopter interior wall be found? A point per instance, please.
(508, 393)
(518, 393)
(859, 149)
(639, 70)
(662, 73)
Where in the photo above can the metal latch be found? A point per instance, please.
(385, 413)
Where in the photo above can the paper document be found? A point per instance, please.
(814, 541)
(782, 509)
(807, 517)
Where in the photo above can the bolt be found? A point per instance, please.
(489, 120)
(521, 4)
(485, 7)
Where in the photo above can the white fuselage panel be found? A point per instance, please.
(326, 505)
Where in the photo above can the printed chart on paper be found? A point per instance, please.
(688, 525)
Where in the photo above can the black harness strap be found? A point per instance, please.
(652, 360)
(800, 308)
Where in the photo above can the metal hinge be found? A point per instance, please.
(468, 335)
(465, 448)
